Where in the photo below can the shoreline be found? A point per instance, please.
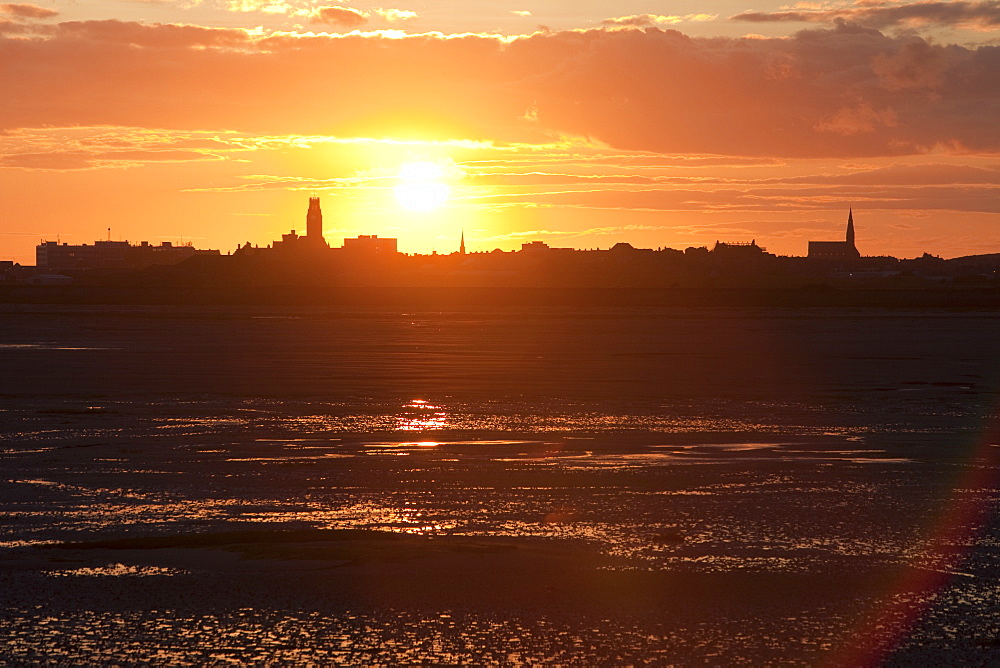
(437, 298)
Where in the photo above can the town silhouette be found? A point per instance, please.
(832, 272)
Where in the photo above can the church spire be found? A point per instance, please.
(850, 227)
(461, 244)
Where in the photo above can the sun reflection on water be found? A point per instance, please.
(420, 415)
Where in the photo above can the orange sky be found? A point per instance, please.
(213, 121)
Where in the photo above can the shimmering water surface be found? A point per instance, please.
(603, 486)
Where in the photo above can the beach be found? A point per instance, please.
(575, 486)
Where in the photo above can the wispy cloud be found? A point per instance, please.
(650, 20)
(392, 15)
(27, 11)
(66, 149)
(349, 17)
(262, 6)
(970, 14)
(336, 15)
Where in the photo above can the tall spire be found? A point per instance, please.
(850, 227)
(461, 245)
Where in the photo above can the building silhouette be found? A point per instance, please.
(371, 244)
(739, 249)
(312, 247)
(540, 247)
(836, 250)
(371, 260)
(294, 244)
(314, 223)
(52, 255)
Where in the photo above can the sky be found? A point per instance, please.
(580, 123)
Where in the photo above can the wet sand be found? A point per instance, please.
(598, 486)
(558, 591)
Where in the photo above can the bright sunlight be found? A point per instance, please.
(420, 187)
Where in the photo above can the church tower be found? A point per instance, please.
(850, 227)
(837, 250)
(314, 222)
(461, 244)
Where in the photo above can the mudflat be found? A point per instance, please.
(577, 486)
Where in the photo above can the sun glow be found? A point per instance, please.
(420, 187)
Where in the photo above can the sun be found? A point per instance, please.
(420, 187)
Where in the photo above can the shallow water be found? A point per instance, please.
(771, 449)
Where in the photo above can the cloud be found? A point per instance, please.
(844, 91)
(72, 160)
(263, 6)
(858, 118)
(650, 20)
(393, 15)
(61, 149)
(976, 15)
(156, 35)
(626, 160)
(520, 12)
(27, 11)
(348, 17)
(8, 27)
(344, 17)
(548, 178)
(916, 65)
(661, 187)
(868, 198)
(180, 4)
(900, 175)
